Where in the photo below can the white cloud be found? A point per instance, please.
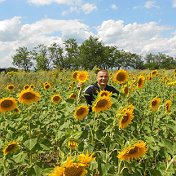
(88, 8)
(174, 3)
(114, 7)
(150, 4)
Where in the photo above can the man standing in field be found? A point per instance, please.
(91, 91)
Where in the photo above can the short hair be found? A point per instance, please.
(101, 70)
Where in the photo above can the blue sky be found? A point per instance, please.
(138, 26)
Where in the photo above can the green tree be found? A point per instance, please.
(22, 59)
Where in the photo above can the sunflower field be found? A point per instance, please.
(46, 128)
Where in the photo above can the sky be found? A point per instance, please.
(136, 26)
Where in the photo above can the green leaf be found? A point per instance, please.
(30, 143)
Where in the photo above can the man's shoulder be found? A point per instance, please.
(91, 87)
(111, 88)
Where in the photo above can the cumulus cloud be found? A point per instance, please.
(150, 4)
(174, 3)
(88, 8)
(114, 7)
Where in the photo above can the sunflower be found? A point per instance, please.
(154, 103)
(140, 83)
(154, 73)
(73, 167)
(101, 104)
(121, 76)
(125, 90)
(28, 96)
(135, 151)
(17, 110)
(46, 86)
(11, 147)
(168, 105)
(10, 87)
(72, 144)
(26, 86)
(72, 96)
(74, 75)
(82, 76)
(105, 93)
(31, 86)
(126, 119)
(7, 104)
(56, 98)
(81, 112)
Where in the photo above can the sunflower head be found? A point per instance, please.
(10, 87)
(72, 96)
(46, 85)
(28, 96)
(72, 144)
(26, 86)
(101, 104)
(82, 76)
(105, 93)
(7, 104)
(74, 75)
(168, 105)
(121, 76)
(56, 98)
(81, 112)
(140, 82)
(154, 103)
(126, 119)
(11, 147)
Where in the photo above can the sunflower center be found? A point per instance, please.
(125, 118)
(102, 103)
(10, 87)
(121, 77)
(154, 103)
(74, 171)
(80, 111)
(6, 103)
(56, 98)
(28, 96)
(11, 148)
(133, 150)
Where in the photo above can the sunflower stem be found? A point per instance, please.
(30, 153)
(169, 164)
(119, 168)
(4, 165)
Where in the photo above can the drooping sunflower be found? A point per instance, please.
(28, 96)
(126, 119)
(121, 76)
(10, 87)
(56, 98)
(11, 147)
(81, 112)
(72, 144)
(101, 104)
(140, 82)
(168, 105)
(7, 104)
(72, 96)
(82, 76)
(105, 93)
(154, 103)
(135, 151)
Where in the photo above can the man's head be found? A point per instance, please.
(102, 78)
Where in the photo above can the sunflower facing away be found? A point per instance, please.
(72, 144)
(7, 104)
(121, 76)
(82, 76)
(101, 104)
(11, 147)
(73, 167)
(56, 98)
(81, 112)
(140, 83)
(126, 119)
(154, 104)
(135, 151)
(28, 96)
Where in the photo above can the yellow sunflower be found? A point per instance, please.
(56, 98)
(28, 96)
(154, 73)
(125, 90)
(121, 76)
(82, 76)
(126, 119)
(140, 83)
(72, 144)
(168, 105)
(85, 158)
(46, 86)
(72, 96)
(26, 86)
(17, 110)
(81, 112)
(101, 104)
(135, 151)
(10, 87)
(154, 103)
(7, 104)
(58, 171)
(11, 147)
(74, 75)
(105, 93)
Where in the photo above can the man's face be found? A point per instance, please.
(102, 78)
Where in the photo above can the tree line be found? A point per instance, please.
(91, 53)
